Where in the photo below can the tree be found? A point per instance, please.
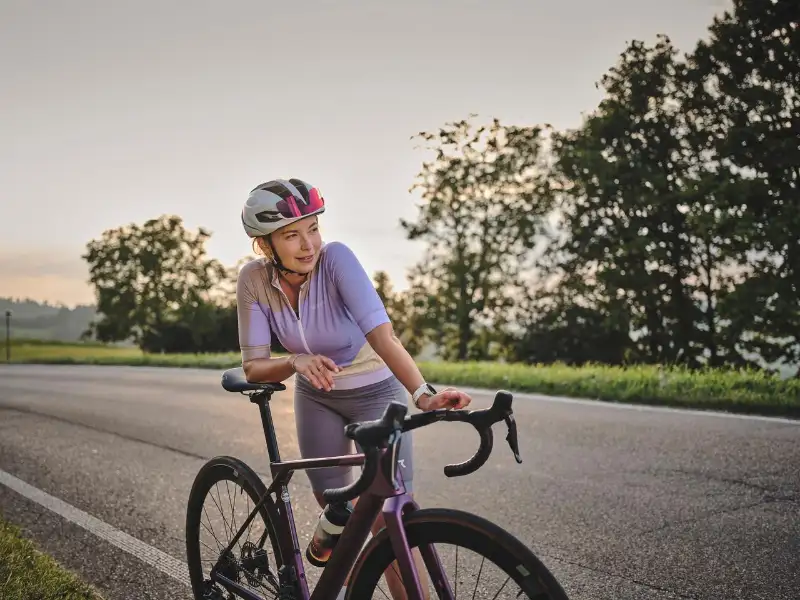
(480, 214)
(747, 77)
(151, 279)
(640, 212)
(408, 310)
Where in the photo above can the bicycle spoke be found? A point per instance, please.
(502, 587)
(250, 527)
(231, 532)
(478, 580)
(211, 531)
(232, 502)
(455, 592)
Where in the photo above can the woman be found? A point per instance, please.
(325, 311)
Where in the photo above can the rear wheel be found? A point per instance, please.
(479, 560)
(224, 493)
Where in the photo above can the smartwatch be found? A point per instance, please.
(425, 388)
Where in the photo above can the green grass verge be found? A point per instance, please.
(27, 574)
(735, 391)
(712, 389)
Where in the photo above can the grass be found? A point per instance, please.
(736, 391)
(27, 574)
(739, 391)
(38, 352)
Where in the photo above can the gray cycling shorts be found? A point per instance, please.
(321, 417)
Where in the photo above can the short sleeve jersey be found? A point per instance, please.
(338, 307)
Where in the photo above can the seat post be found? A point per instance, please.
(262, 400)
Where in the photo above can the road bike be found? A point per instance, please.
(272, 565)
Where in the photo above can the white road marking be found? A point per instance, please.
(146, 553)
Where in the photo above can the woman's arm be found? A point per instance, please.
(255, 337)
(391, 350)
(269, 370)
(363, 302)
(317, 368)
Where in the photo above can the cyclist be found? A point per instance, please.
(319, 302)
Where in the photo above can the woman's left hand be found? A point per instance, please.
(447, 398)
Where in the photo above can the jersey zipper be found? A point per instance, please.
(299, 321)
(299, 309)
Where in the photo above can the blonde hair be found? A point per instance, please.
(261, 251)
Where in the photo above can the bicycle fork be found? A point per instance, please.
(393, 511)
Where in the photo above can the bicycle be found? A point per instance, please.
(379, 488)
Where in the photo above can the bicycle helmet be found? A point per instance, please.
(278, 203)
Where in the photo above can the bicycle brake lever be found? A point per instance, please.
(511, 438)
(394, 451)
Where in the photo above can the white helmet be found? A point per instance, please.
(279, 202)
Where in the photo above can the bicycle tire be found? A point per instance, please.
(223, 468)
(467, 530)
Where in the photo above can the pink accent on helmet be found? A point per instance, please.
(315, 201)
(293, 206)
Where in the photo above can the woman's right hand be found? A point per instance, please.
(318, 369)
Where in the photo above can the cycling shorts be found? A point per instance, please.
(321, 417)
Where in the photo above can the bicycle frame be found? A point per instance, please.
(382, 496)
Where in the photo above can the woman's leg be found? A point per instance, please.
(369, 404)
(320, 419)
(320, 433)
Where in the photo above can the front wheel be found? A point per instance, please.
(479, 560)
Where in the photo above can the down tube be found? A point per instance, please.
(347, 549)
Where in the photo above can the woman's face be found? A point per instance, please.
(298, 244)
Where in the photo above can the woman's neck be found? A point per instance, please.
(294, 280)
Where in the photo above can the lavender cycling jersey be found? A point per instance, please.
(338, 307)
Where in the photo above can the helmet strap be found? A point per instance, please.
(276, 260)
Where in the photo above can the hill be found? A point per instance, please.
(43, 321)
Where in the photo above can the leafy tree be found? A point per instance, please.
(408, 311)
(639, 210)
(384, 288)
(151, 279)
(747, 79)
(480, 213)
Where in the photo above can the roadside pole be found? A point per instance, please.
(8, 336)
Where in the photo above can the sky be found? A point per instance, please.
(116, 112)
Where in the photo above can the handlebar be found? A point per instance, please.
(372, 436)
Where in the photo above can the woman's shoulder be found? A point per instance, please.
(252, 267)
(338, 252)
(253, 273)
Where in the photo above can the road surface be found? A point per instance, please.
(618, 503)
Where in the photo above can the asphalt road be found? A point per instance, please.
(622, 504)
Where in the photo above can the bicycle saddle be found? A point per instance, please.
(234, 380)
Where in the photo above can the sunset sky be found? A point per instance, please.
(115, 112)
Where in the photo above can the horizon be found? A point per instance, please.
(183, 108)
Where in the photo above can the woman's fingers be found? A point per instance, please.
(330, 364)
(320, 368)
(315, 381)
(324, 373)
(450, 398)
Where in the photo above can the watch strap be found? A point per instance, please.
(425, 388)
